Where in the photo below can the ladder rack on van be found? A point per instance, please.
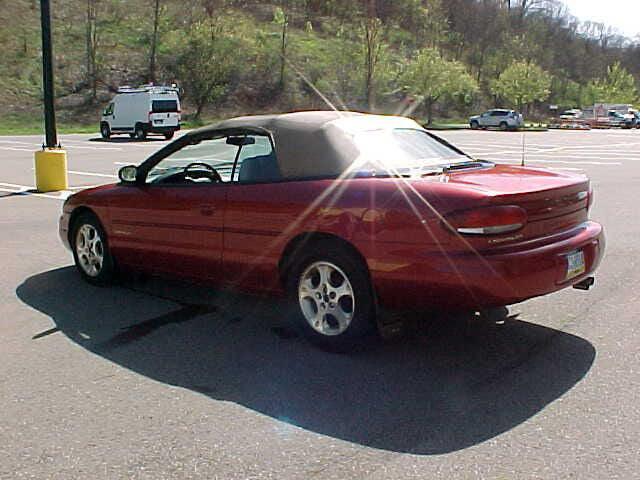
(148, 88)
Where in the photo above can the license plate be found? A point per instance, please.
(575, 264)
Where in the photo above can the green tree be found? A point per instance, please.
(206, 61)
(522, 83)
(430, 78)
(618, 87)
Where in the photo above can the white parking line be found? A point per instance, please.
(62, 195)
(91, 174)
(572, 162)
(587, 147)
(16, 149)
(87, 147)
(17, 142)
(13, 185)
(83, 187)
(37, 147)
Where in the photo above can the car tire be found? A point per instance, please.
(503, 126)
(494, 314)
(105, 131)
(474, 125)
(140, 132)
(169, 135)
(91, 252)
(336, 308)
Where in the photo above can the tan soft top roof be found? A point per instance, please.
(316, 143)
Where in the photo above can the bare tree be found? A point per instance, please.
(154, 42)
(373, 45)
(92, 47)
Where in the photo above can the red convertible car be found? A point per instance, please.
(347, 212)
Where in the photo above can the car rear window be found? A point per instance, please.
(391, 151)
(164, 106)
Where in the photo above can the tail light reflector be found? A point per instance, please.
(488, 220)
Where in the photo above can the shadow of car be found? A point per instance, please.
(127, 140)
(452, 383)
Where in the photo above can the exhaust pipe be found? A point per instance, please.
(585, 284)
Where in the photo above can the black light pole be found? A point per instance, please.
(47, 76)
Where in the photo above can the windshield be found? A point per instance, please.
(402, 151)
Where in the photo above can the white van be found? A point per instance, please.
(141, 111)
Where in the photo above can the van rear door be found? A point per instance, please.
(164, 112)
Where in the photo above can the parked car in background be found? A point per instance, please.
(141, 111)
(498, 118)
(609, 115)
(348, 213)
(616, 119)
(632, 119)
(573, 114)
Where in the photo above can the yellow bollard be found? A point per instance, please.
(51, 170)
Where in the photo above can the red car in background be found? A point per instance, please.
(347, 212)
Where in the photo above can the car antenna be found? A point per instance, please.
(523, 144)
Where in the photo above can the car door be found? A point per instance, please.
(485, 119)
(108, 113)
(171, 221)
(256, 216)
(496, 117)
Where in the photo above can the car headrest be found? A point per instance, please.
(261, 168)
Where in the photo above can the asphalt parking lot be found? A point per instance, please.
(158, 379)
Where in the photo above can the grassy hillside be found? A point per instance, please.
(235, 57)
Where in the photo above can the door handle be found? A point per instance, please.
(206, 210)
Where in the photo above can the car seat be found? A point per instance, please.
(261, 168)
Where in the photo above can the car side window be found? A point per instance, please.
(498, 113)
(256, 161)
(208, 161)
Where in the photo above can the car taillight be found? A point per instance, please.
(488, 220)
(149, 116)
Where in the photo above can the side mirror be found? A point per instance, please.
(128, 174)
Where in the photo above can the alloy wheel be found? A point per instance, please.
(326, 298)
(89, 250)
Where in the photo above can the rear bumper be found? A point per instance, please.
(162, 129)
(472, 280)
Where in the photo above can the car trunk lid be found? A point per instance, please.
(554, 201)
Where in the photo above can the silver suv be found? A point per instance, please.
(500, 118)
